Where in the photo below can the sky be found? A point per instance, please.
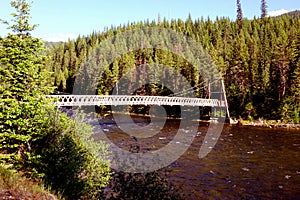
(62, 19)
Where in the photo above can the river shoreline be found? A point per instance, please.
(270, 124)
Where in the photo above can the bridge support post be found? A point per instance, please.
(222, 109)
(225, 100)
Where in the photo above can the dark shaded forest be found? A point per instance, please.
(259, 60)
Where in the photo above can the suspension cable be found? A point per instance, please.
(190, 90)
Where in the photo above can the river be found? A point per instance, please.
(246, 162)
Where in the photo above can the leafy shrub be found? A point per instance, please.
(146, 186)
(71, 162)
(35, 138)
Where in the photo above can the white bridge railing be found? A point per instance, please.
(90, 100)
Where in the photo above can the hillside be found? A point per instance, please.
(259, 60)
(295, 13)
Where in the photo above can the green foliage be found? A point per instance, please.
(148, 186)
(71, 162)
(259, 60)
(35, 138)
(23, 81)
(21, 18)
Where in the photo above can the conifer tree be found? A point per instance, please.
(263, 8)
(33, 137)
(255, 57)
(239, 14)
(23, 82)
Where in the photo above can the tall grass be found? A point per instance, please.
(14, 186)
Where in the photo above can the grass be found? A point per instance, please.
(14, 186)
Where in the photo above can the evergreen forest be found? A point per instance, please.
(259, 60)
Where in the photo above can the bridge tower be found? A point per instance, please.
(216, 90)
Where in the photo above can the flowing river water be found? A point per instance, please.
(246, 163)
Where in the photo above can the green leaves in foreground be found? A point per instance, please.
(23, 81)
(34, 137)
(72, 163)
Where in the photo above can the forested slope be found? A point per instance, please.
(259, 60)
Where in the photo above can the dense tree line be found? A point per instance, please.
(259, 60)
(49, 146)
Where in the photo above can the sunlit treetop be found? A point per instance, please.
(20, 22)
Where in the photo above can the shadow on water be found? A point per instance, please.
(246, 163)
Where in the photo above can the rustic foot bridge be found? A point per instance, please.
(217, 103)
(98, 100)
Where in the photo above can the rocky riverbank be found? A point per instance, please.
(265, 123)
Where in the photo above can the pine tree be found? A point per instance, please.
(263, 9)
(34, 137)
(23, 83)
(255, 57)
(239, 14)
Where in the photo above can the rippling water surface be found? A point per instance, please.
(246, 163)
